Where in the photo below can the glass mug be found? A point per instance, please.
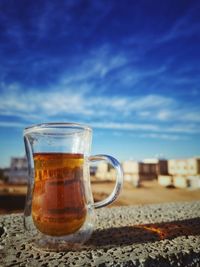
(59, 210)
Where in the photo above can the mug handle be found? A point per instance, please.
(119, 179)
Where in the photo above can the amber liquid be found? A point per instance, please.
(58, 204)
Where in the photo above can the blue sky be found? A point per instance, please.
(129, 69)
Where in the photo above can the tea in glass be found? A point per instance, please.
(58, 205)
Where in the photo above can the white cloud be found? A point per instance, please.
(96, 64)
(154, 129)
(184, 128)
(150, 113)
(171, 137)
(164, 115)
(182, 28)
(192, 116)
(151, 101)
(18, 102)
(12, 124)
(182, 114)
(124, 126)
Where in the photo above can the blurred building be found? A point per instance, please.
(131, 169)
(184, 167)
(105, 172)
(165, 180)
(181, 173)
(18, 171)
(148, 169)
(185, 172)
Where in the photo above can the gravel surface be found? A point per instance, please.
(150, 235)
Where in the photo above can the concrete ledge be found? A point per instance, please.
(151, 235)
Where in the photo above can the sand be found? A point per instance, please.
(12, 198)
(150, 192)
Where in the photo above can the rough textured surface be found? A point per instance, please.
(152, 235)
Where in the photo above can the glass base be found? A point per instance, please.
(71, 242)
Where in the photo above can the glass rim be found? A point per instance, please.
(36, 128)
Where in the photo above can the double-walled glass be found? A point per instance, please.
(59, 210)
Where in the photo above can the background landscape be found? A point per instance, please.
(128, 69)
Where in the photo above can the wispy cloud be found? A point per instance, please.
(125, 126)
(183, 27)
(12, 124)
(147, 127)
(15, 101)
(170, 137)
(114, 112)
(82, 93)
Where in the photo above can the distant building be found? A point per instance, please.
(193, 182)
(148, 169)
(6, 172)
(93, 170)
(165, 180)
(185, 172)
(18, 171)
(105, 172)
(184, 167)
(131, 170)
(181, 173)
